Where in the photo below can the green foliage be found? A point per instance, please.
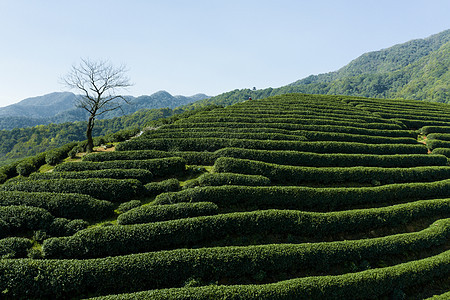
(442, 151)
(158, 166)
(116, 190)
(140, 174)
(156, 188)
(21, 219)
(126, 206)
(361, 285)
(54, 156)
(14, 247)
(126, 239)
(434, 129)
(31, 164)
(213, 144)
(157, 213)
(172, 268)
(298, 175)
(306, 198)
(295, 158)
(71, 206)
(433, 144)
(217, 179)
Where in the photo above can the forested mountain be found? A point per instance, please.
(416, 70)
(60, 108)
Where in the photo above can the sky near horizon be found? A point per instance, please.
(200, 46)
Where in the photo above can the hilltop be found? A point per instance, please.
(415, 70)
(288, 197)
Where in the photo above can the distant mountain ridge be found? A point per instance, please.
(59, 107)
(415, 70)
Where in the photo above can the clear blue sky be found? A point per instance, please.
(207, 46)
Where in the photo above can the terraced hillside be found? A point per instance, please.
(289, 197)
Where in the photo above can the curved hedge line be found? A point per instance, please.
(77, 278)
(228, 135)
(31, 164)
(191, 157)
(158, 166)
(433, 144)
(140, 174)
(439, 136)
(71, 206)
(54, 156)
(14, 247)
(310, 159)
(442, 151)
(216, 179)
(306, 198)
(376, 125)
(157, 213)
(434, 129)
(288, 126)
(126, 239)
(156, 188)
(20, 219)
(282, 157)
(278, 134)
(116, 190)
(295, 174)
(213, 144)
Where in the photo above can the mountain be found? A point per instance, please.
(415, 70)
(61, 107)
(418, 70)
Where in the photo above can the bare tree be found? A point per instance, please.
(99, 83)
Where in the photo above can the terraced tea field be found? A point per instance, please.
(289, 197)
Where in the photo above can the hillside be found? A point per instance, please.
(288, 197)
(59, 108)
(416, 70)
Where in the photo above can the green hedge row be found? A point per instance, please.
(158, 166)
(20, 219)
(439, 136)
(305, 198)
(156, 188)
(286, 157)
(287, 126)
(442, 151)
(227, 135)
(54, 156)
(434, 129)
(140, 174)
(157, 213)
(433, 144)
(14, 247)
(116, 190)
(25, 278)
(216, 179)
(368, 284)
(71, 206)
(377, 125)
(213, 144)
(295, 136)
(126, 239)
(31, 164)
(417, 124)
(333, 159)
(324, 175)
(17, 219)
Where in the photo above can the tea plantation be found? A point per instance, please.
(289, 197)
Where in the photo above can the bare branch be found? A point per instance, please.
(99, 83)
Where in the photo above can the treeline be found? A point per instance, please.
(23, 142)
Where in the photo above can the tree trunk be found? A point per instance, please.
(90, 141)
